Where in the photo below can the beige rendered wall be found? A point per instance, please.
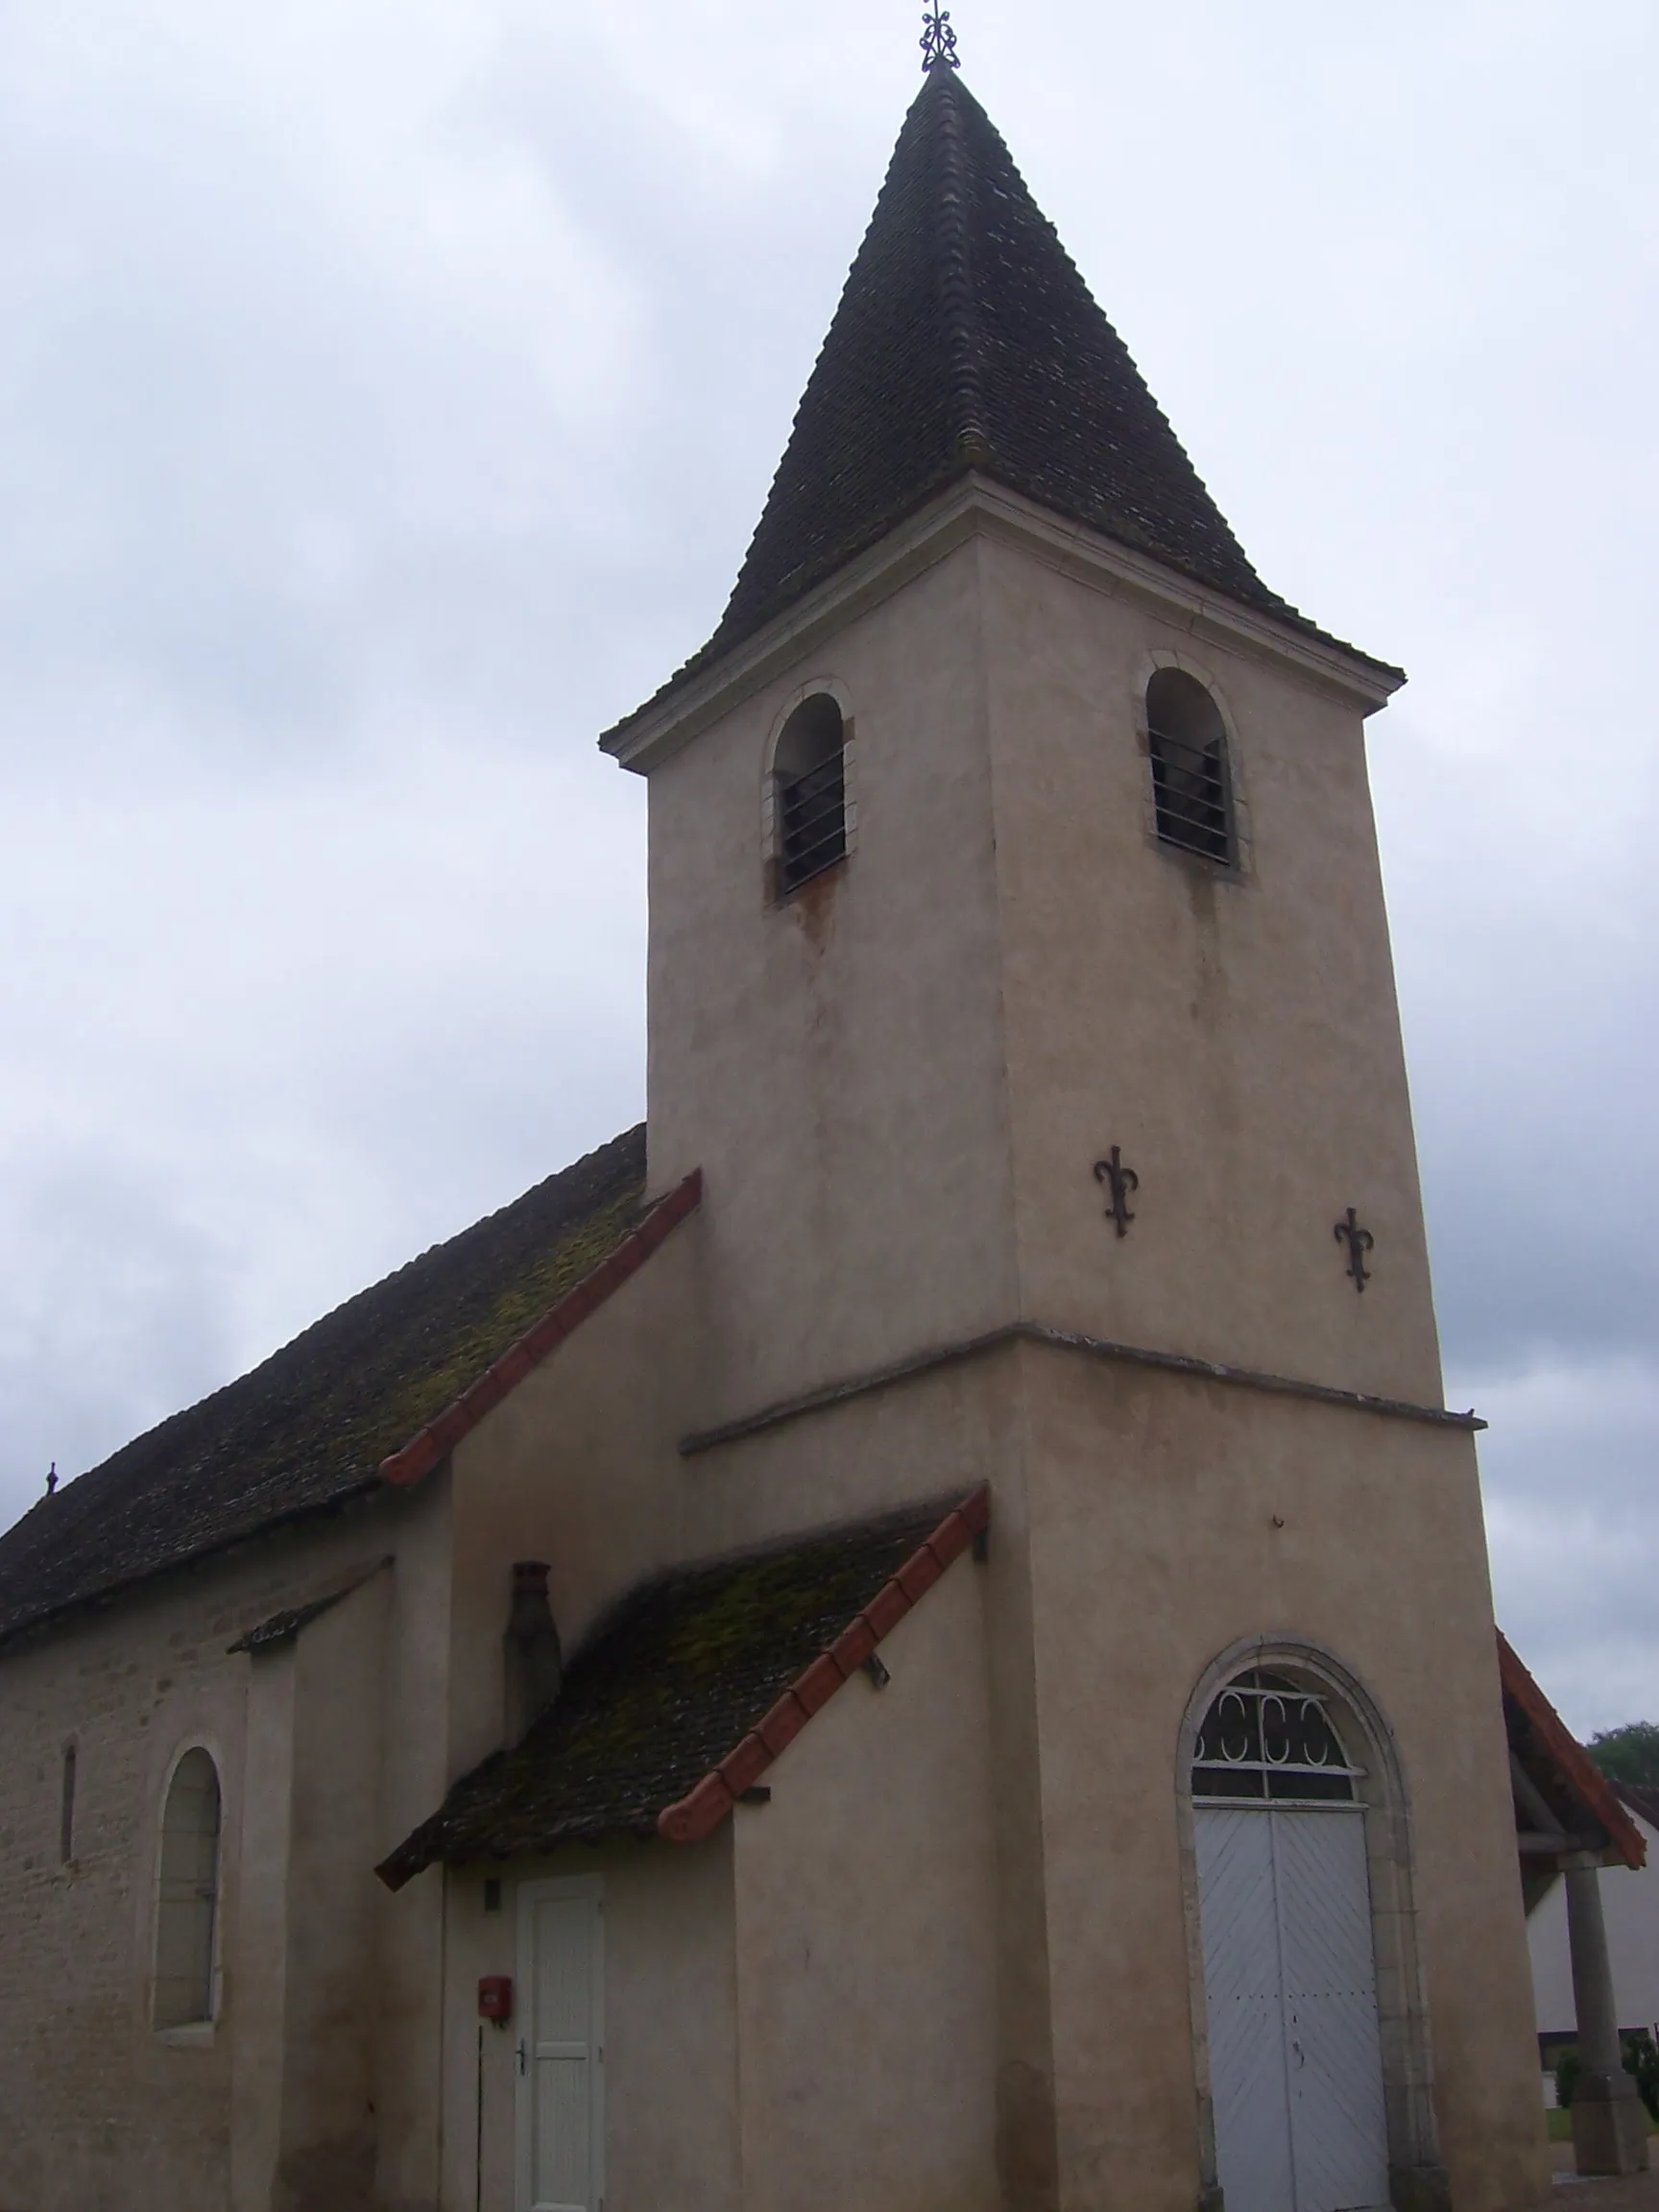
(577, 1467)
(670, 2029)
(333, 2031)
(100, 2113)
(898, 1083)
(836, 1066)
(1169, 1520)
(1237, 1036)
(866, 1938)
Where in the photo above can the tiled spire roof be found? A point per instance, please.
(967, 339)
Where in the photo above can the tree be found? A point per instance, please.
(1627, 1754)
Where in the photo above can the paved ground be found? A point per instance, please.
(1639, 2194)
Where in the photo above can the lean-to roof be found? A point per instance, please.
(682, 1699)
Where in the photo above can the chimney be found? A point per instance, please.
(534, 1667)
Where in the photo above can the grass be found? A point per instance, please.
(1560, 2125)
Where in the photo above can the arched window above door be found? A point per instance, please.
(1269, 1740)
(188, 1895)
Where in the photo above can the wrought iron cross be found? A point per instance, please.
(1358, 1241)
(938, 40)
(1118, 1181)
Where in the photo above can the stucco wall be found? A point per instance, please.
(578, 1467)
(836, 1066)
(101, 2112)
(866, 1938)
(898, 1083)
(670, 2029)
(1238, 1037)
(1169, 1520)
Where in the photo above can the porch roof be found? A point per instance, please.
(1564, 1805)
(682, 1699)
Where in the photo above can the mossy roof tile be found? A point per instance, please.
(664, 1690)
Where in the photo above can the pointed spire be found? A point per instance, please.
(966, 339)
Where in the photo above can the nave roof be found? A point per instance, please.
(307, 1430)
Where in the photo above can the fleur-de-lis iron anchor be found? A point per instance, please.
(938, 40)
(1118, 1181)
(1358, 1241)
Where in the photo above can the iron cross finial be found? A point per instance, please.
(938, 40)
(1358, 1241)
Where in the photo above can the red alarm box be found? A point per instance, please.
(495, 1998)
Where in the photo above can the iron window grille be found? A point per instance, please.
(1265, 1742)
(1191, 795)
(809, 794)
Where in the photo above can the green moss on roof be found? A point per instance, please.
(307, 1429)
(663, 1690)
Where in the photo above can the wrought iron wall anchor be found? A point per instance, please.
(938, 40)
(1118, 1182)
(1358, 1241)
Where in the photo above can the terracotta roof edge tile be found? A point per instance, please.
(1575, 1761)
(701, 1811)
(463, 1414)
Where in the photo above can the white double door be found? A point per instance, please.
(1291, 1981)
(560, 2049)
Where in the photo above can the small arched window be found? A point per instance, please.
(187, 1905)
(1192, 788)
(1266, 1740)
(809, 792)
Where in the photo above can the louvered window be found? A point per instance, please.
(810, 793)
(1192, 788)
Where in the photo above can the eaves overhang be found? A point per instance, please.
(976, 505)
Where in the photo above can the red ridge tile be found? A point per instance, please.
(423, 1450)
(702, 1809)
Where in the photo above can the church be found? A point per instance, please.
(914, 1633)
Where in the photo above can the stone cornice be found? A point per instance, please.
(1039, 1333)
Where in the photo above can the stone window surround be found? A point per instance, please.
(189, 2035)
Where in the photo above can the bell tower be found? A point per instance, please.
(1019, 980)
(1087, 860)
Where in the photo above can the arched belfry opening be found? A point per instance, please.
(810, 793)
(1191, 776)
(1318, 2092)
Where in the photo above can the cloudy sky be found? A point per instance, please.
(387, 391)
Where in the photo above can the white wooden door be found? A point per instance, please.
(1290, 1986)
(561, 2053)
